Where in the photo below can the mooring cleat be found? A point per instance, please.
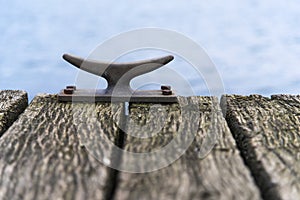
(118, 76)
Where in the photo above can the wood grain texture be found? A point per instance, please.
(267, 131)
(51, 151)
(12, 104)
(220, 175)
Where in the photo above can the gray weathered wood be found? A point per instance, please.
(51, 151)
(268, 134)
(220, 175)
(12, 104)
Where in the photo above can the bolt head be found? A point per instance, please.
(165, 87)
(71, 87)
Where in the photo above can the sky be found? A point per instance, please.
(253, 44)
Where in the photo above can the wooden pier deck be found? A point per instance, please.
(45, 148)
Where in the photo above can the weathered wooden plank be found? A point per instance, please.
(12, 104)
(268, 134)
(220, 175)
(51, 151)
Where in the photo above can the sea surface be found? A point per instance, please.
(254, 44)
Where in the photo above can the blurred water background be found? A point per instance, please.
(255, 44)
